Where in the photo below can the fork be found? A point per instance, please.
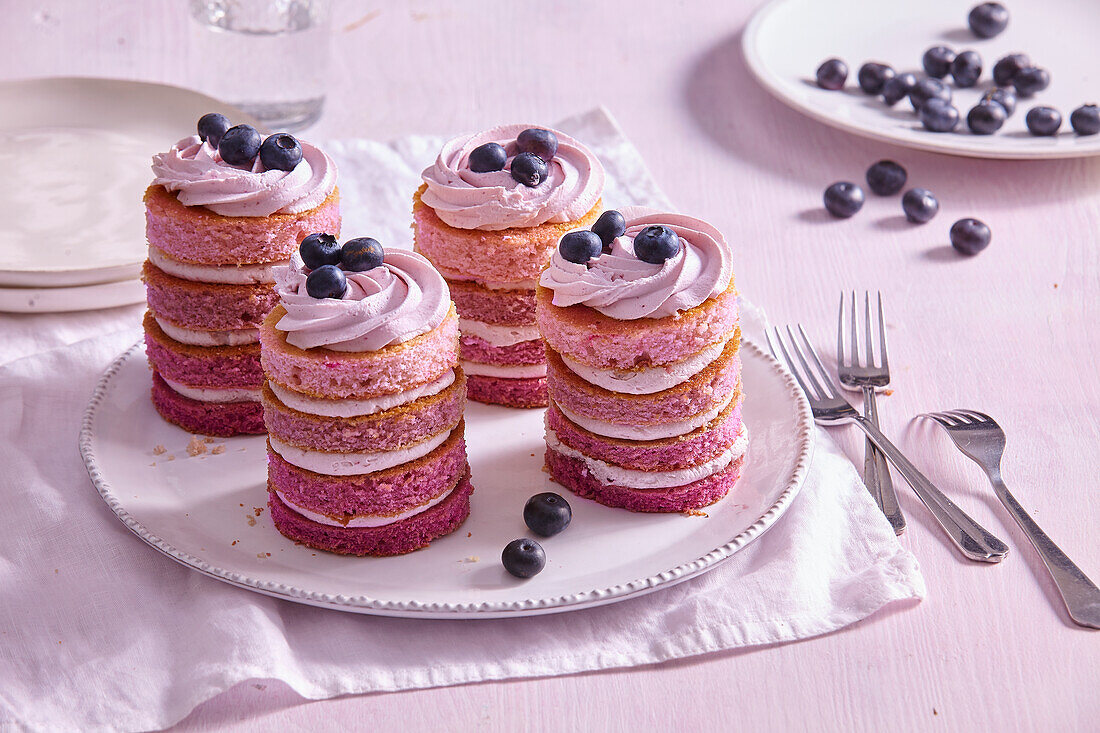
(830, 408)
(868, 377)
(981, 439)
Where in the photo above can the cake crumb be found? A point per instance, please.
(196, 447)
(217, 450)
(260, 555)
(694, 513)
(171, 457)
(888, 392)
(241, 505)
(472, 558)
(1055, 286)
(207, 439)
(241, 449)
(153, 463)
(251, 520)
(56, 571)
(258, 510)
(234, 543)
(159, 450)
(469, 534)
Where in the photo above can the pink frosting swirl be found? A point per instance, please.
(621, 286)
(495, 201)
(195, 170)
(399, 300)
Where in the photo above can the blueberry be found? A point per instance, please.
(988, 19)
(885, 178)
(523, 558)
(966, 69)
(239, 145)
(970, 236)
(873, 75)
(537, 141)
(937, 61)
(843, 199)
(610, 225)
(655, 244)
(529, 169)
(327, 281)
(547, 514)
(919, 205)
(832, 74)
(281, 151)
(362, 253)
(211, 128)
(1085, 119)
(1043, 120)
(488, 158)
(580, 246)
(897, 88)
(986, 118)
(1031, 81)
(927, 89)
(1003, 96)
(1007, 67)
(939, 116)
(318, 250)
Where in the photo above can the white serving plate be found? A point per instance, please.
(74, 298)
(200, 511)
(787, 40)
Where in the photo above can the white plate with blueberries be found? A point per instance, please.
(991, 80)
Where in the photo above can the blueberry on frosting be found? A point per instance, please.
(211, 127)
(580, 246)
(318, 250)
(655, 244)
(327, 281)
(488, 158)
(240, 145)
(281, 151)
(609, 226)
(537, 141)
(363, 253)
(529, 169)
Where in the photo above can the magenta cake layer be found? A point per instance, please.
(196, 234)
(592, 338)
(574, 475)
(500, 307)
(223, 419)
(530, 392)
(202, 366)
(398, 538)
(667, 454)
(524, 353)
(321, 372)
(206, 306)
(391, 429)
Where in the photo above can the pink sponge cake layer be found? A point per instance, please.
(337, 374)
(530, 392)
(499, 307)
(398, 538)
(223, 419)
(603, 342)
(202, 366)
(197, 235)
(206, 306)
(525, 352)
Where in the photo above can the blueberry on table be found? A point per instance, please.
(988, 19)
(523, 558)
(832, 74)
(927, 89)
(1085, 119)
(885, 178)
(986, 118)
(970, 236)
(281, 151)
(1043, 121)
(655, 244)
(919, 205)
(488, 158)
(1007, 67)
(937, 61)
(897, 88)
(610, 225)
(211, 127)
(362, 253)
(966, 69)
(327, 281)
(240, 145)
(843, 199)
(872, 76)
(529, 169)
(1003, 96)
(939, 116)
(318, 250)
(547, 514)
(537, 141)
(1031, 81)
(580, 246)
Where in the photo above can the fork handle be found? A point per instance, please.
(876, 472)
(973, 540)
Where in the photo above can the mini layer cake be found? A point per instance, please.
(489, 215)
(644, 366)
(363, 405)
(216, 231)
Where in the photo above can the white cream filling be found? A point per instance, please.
(358, 408)
(507, 371)
(262, 273)
(189, 336)
(214, 394)
(650, 380)
(365, 520)
(354, 464)
(645, 432)
(498, 335)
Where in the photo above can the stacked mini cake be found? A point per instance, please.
(363, 401)
(224, 208)
(640, 318)
(489, 215)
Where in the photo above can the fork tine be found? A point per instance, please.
(961, 416)
(980, 416)
(944, 418)
(833, 391)
(810, 375)
(855, 333)
(789, 362)
(882, 334)
(867, 328)
(937, 417)
(840, 332)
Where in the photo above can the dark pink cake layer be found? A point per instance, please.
(202, 366)
(223, 419)
(206, 306)
(574, 475)
(393, 539)
(499, 307)
(529, 392)
(480, 350)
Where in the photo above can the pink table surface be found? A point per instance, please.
(1012, 331)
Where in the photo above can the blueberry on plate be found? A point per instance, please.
(580, 246)
(1007, 67)
(919, 205)
(966, 69)
(937, 61)
(655, 244)
(362, 253)
(939, 116)
(1031, 81)
(318, 250)
(927, 89)
(211, 127)
(1003, 96)
(843, 199)
(988, 19)
(240, 145)
(529, 169)
(873, 75)
(897, 88)
(885, 178)
(281, 151)
(970, 236)
(547, 514)
(523, 558)
(1043, 121)
(832, 74)
(1085, 119)
(327, 281)
(610, 225)
(488, 158)
(537, 141)
(986, 118)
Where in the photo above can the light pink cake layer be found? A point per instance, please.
(223, 419)
(525, 352)
(500, 307)
(206, 306)
(202, 366)
(508, 392)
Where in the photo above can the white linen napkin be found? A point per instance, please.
(99, 631)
